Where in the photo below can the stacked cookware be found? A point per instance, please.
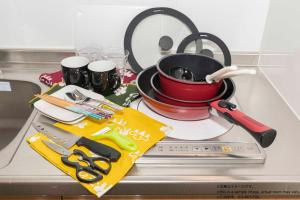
(188, 86)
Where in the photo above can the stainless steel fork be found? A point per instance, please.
(84, 98)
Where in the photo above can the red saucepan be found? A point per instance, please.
(192, 70)
(155, 84)
(262, 133)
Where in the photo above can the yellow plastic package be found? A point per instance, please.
(143, 130)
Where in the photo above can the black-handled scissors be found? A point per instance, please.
(86, 174)
(92, 169)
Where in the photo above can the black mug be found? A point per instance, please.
(75, 71)
(104, 78)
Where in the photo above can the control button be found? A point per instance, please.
(160, 148)
(196, 148)
(226, 149)
(218, 149)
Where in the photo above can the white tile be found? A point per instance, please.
(240, 24)
(51, 24)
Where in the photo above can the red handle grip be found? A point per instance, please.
(262, 133)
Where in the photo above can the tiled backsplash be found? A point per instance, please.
(52, 24)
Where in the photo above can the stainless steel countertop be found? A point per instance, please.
(28, 173)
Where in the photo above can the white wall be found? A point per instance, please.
(52, 23)
(281, 50)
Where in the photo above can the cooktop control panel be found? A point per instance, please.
(199, 149)
(195, 152)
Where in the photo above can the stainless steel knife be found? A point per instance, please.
(67, 140)
(57, 148)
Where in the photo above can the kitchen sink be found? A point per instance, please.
(14, 113)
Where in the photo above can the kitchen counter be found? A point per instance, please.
(29, 174)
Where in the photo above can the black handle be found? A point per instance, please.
(79, 169)
(263, 134)
(92, 161)
(99, 148)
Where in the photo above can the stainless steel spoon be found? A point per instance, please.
(77, 100)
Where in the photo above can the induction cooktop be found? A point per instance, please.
(212, 140)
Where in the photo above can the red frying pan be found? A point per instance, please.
(162, 97)
(262, 133)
